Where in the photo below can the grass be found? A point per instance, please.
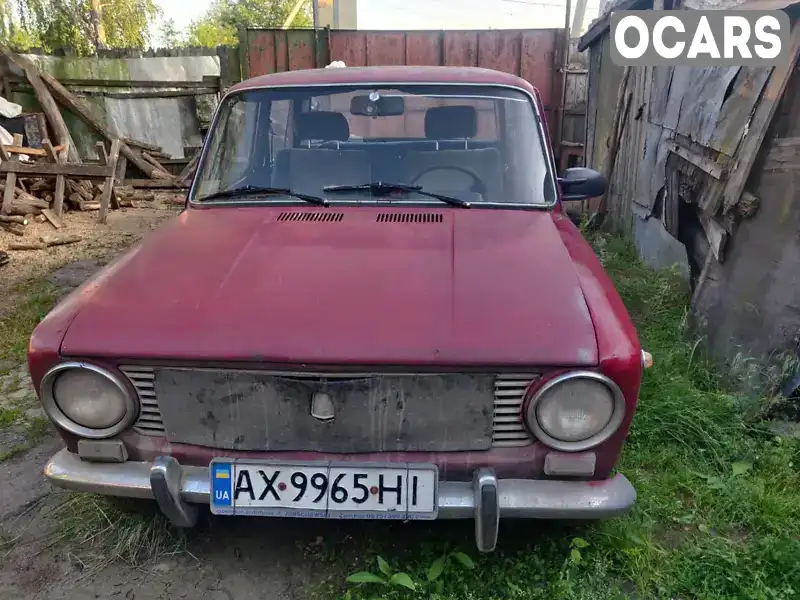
(718, 510)
(35, 301)
(106, 530)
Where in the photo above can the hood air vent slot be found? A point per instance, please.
(409, 218)
(311, 216)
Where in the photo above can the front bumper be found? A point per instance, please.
(178, 489)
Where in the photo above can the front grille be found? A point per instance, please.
(508, 428)
(143, 380)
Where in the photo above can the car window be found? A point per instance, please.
(480, 143)
(229, 159)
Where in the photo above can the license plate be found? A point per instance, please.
(324, 490)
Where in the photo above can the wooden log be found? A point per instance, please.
(108, 186)
(45, 99)
(149, 158)
(39, 219)
(25, 198)
(76, 201)
(19, 220)
(40, 184)
(54, 219)
(124, 190)
(76, 188)
(60, 240)
(27, 246)
(188, 171)
(90, 206)
(23, 210)
(13, 228)
(142, 145)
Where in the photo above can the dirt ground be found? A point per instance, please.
(225, 559)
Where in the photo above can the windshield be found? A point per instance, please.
(481, 145)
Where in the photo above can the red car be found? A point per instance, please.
(372, 307)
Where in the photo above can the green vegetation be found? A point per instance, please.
(718, 513)
(221, 22)
(108, 530)
(34, 301)
(79, 25)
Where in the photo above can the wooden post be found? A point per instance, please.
(58, 158)
(11, 183)
(108, 186)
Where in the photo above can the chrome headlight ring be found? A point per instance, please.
(613, 424)
(54, 412)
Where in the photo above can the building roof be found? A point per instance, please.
(393, 74)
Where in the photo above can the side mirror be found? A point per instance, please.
(580, 183)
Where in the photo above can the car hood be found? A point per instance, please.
(357, 285)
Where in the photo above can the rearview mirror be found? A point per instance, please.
(383, 106)
(579, 183)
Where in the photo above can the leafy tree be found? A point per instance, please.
(169, 35)
(220, 25)
(83, 25)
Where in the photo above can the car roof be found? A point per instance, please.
(394, 74)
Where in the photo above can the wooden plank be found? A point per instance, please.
(50, 151)
(716, 235)
(122, 167)
(108, 186)
(68, 169)
(11, 181)
(711, 167)
(45, 99)
(672, 203)
(156, 183)
(102, 153)
(54, 219)
(759, 124)
(28, 151)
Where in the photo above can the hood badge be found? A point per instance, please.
(322, 407)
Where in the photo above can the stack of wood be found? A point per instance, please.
(60, 172)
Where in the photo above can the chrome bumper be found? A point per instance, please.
(486, 499)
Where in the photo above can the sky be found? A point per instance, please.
(426, 14)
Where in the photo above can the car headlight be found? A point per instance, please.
(87, 400)
(575, 411)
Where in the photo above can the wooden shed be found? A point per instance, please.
(707, 177)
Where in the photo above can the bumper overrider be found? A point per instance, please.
(178, 489)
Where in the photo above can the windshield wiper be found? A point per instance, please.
(253, 190)
(381, 188)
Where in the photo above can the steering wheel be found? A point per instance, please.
(477, 187)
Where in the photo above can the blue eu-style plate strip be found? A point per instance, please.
(222, 484)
